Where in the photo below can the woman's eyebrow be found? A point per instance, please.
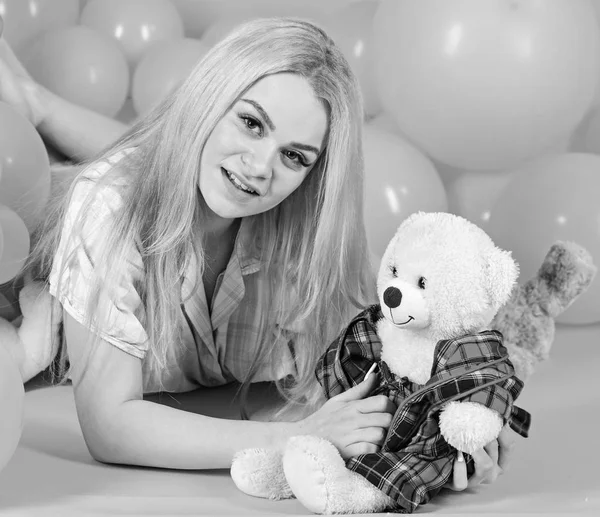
(269, 122)
(262, 112)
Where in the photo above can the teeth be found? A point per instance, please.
(238, 183)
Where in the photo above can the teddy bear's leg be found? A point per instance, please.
(527, 320)
(319, 479)
(259, 472)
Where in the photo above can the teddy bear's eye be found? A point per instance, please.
(422, 282)
(394, 271)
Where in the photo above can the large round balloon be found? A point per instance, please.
(12, 396)
(81, 65)
(352, 30)
(25, 19)
(135, 24)
(472, 195)
(24, 167)
(550, 199)
(162, 69)
(486, 84)
(199, 15)
(399, 180)
(16, 244)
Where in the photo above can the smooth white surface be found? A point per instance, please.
(555, 471)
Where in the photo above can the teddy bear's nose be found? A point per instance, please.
(392, 297)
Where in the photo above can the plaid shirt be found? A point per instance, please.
(415, 461)
(219, 337)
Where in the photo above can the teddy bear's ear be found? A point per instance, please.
(501, 273)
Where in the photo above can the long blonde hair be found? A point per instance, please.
(315, 239)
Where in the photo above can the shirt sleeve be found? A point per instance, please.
(74, 270)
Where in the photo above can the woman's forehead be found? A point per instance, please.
(290, 105)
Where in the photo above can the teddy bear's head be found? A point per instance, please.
(442, 276)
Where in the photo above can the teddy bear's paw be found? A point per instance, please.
(567, 271)
(259, 472)
(468, 426)
(319, 479)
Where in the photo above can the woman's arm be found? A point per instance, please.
(120, 427)
(77, 132)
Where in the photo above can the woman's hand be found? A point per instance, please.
(490, 462)
(18, 89)
(354, 422)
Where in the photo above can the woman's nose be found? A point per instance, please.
(260, 160)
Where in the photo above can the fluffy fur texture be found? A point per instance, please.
(527, 320)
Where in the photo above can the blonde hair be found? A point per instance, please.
(315, 238)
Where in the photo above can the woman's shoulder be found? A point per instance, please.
(103, 180)
(98, 169)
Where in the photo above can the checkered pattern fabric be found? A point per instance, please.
(415, 461)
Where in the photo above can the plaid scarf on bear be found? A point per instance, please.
(415, 461)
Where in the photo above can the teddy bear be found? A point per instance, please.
(28, 337)
(441, 284)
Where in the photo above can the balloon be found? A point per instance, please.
(199, 15)
(24, 167)
(24, 20)
(384, 121)
(162, 69)
(472, 194)
(16, 244)
(222, 27)
(486, 84)
(553, 198)
(12, 394)
(81, 65)
(399, 180)
(135, 24)
(352, 30)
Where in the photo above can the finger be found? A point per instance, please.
(356, 449)
(382, 420)
(484, 468)
(360, 391)
(373, 435)
(376, 404)
(506, 444)
(459, 480)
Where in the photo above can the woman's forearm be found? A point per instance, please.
(145, 433)
(77, 132)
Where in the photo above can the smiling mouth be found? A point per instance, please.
(238, 184)
(410, 318)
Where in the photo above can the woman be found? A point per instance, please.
(219, 239)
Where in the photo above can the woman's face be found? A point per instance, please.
(263, 148)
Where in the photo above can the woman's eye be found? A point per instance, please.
(252, 124)
(295, 157)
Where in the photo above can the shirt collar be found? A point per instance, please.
(249, 261)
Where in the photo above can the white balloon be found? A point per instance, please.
(486, 84)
